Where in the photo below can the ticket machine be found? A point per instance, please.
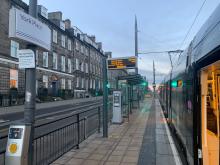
(17, 145)
(117, 107)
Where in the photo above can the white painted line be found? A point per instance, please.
(50, 118)
(172, 144)
(3, 121)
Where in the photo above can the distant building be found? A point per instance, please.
(72, 68)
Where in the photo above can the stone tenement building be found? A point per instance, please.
(72, 68)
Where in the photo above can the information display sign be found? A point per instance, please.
(122, 63)
(26, 59)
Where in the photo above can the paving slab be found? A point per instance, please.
(143, 140)
(121, 147)
(156, 146)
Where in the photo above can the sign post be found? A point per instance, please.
(28, 29)
(30, 93)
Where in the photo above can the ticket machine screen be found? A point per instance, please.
(15, 133)
(116, 99)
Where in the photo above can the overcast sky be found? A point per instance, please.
(163, 25)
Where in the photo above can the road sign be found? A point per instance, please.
(26, 59)
(122, 63)
(27, 28)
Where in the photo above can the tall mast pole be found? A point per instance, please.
(136, 42)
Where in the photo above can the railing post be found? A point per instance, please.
(99, 118)
(85, 118)
(78, 131)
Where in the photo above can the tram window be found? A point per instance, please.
(187, 61)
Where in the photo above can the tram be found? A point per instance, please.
(190, 95)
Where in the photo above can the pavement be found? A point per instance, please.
(144, 139)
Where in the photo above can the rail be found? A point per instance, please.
(65, 133)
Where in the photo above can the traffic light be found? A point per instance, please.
(174, 83)
(108, 85)
(145, 83)
(177, 83)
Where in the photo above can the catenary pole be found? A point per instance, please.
(105, 99)
(136, 41)
(30, 90)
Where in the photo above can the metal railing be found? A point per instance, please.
(11, 100)
(65, 133)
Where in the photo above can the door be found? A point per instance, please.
(210, 103)
(54, 88)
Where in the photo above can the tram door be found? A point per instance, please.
(210, 100)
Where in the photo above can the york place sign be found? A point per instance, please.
(27, 28)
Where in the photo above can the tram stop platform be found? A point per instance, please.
(144, 140)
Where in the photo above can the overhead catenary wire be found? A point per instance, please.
(191, 26)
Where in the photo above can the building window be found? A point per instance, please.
(86, 84)
(63, 83)
(45, 81)
(99, 84)
(69, 45)
(90, 67)
(77, 64)
(36, 57)
(69, 66)
(87, 68)
(77, 45)
(14, 49)
(55, 36)
(83, 82)
(93, 84)
(94, 69)
(86, 51)
(77, 82)
(82, 48)
(63, 64)
(82, 67)
(13, 78)
(90, 84)
(69, 84)
(36, 87)
(45, 59)
(54, 61)
(63, 41)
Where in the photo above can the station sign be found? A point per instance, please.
(122, 63)
(24, 27)
(26, 59)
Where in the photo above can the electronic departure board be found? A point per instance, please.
(122, 63)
